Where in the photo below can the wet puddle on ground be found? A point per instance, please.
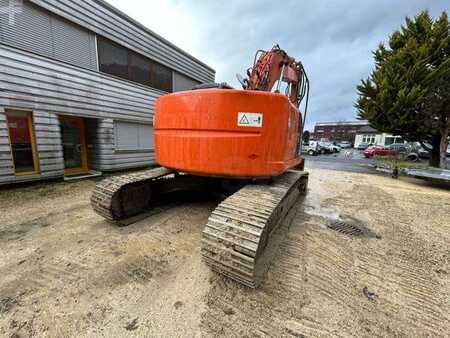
(334, 220)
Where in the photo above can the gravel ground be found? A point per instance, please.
(67, 272)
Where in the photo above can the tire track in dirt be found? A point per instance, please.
(328, 282)
(91, 279)
(71, 276)
(50, 267)
(395, 270)
(313, 265)
(330, 262)
(303, 266)
(323, 283)
(59, 273)
(406, 290)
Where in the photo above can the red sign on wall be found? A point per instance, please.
(18, 130)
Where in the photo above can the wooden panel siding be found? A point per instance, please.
(6, 161)
(49, 144)
(49, 149)
(31, 81)
(102, 154)
(50, 88)
(36, 30)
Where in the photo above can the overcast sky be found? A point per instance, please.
(333, 39)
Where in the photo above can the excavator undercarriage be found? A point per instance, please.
(238, 230)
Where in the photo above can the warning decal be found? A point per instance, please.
(246, 119)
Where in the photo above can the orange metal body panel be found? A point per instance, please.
(197, 132)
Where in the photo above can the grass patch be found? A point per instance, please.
(391, 162)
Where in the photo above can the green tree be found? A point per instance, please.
(306, 136)
(407, 92)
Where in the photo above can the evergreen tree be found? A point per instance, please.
(408, 92)
(306, 136)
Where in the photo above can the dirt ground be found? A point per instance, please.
(64, 271)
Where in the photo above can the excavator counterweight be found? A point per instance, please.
(227, 133)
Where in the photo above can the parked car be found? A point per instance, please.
(335, 148)
(322, 149)
(345, 144)
(402, 148)
(423, 153)
(363, 146)
(311, 148)
(379, 151)
(329, 147)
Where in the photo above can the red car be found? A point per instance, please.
(379, 151)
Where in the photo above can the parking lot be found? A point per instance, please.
(68, 272)
(352, 161)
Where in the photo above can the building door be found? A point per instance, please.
(74, 145)
(23, 142)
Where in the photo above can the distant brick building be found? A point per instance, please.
(338, 131)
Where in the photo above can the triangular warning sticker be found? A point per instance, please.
(244, 120)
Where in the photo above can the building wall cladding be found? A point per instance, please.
(181, 82)
(49, 147)
(6, 163)
(48, 86)
(34, 82)
(38, 31)
(103, 155)
(338, 131)
(52, 77)
(101, 18)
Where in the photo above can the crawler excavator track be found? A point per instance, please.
(120, 198)
(238, 230)
(109, 196)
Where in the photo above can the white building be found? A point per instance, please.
(372, 136)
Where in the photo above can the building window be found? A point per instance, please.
(131, 136)
(113, 59)
(23, 143)
(182, 82)
(140, 69)
(120, 61)
(368, 139)
(393, 140)
(36, 30)
(161, 77)
(398, 139)
(389, 140)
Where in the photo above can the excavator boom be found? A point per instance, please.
(274, 67)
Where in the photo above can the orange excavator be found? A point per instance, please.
(242, 143)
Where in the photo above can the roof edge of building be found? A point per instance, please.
(329, 123)
(151, 32)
